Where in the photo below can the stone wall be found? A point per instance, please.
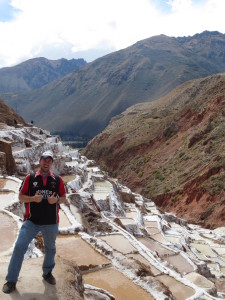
(2, 163)
(9, 162)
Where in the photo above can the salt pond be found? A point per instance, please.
(76, 249)
(121, 287)
(8, 231)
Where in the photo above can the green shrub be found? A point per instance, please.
(157, 175)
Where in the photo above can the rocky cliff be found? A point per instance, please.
(172, 150)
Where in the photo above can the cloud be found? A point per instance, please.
(71, 28)
(7, 11)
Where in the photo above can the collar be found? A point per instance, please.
(39, 174)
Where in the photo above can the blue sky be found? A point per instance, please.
(165, 6)
(7, 12)
(92, 28)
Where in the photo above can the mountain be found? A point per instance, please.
(83, 102)
(8, 116)
(172, 150)
(34, 73)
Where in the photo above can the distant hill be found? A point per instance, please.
(172, 150)
(34, 73)
(8, 116)
(83, 102)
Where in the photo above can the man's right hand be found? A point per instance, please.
(37, 197)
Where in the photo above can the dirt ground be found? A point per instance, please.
(32, 286)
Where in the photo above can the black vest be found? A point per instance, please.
(42, 213)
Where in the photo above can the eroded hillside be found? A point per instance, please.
(9, 116)
(172, 150)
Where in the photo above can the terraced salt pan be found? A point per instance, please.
(151, 224)
(63, 219)
(9, 184)
(127, 221)
(132, 214)
(220, 287)
(176, 226)
(8, 231)
(2, 183)
(101, 190)
(218, 260)
(173, 239)
(77, 250)
(116, 284)
(204, 249)
(178, 289)
(220, 250)
(182, 265)
(77, 214)
(200, 281)
(144, 261)
(7, 198)
(118, 242)
(153, 246)
(152, 230)
(159, 238)
(67, 178)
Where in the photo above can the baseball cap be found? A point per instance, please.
(47, 154)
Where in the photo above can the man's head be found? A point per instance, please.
(46, 161)
(47, 154)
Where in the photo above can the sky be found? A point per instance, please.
(90, 29)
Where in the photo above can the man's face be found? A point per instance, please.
(45, 164)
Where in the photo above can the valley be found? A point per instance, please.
(112, 243)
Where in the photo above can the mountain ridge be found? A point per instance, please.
(83, 102)
(34, 73)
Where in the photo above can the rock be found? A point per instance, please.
(2, 163)
(5, 147)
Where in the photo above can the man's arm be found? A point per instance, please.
(61, 198)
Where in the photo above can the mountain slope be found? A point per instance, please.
(172, 150)
(34, 73)
(8, 116)
(82, 103)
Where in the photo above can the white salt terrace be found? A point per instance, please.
(175, 261)
(102, 190)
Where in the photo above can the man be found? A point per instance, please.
(42, 193)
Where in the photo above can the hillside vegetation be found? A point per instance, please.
(83, 102)
(172, 150)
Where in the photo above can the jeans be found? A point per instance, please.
(27, 232)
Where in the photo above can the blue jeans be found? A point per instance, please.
(27, 232)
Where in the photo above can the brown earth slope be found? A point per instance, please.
(9, 116)
(172, 150)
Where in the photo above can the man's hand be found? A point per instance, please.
(37, 197)
(53, 199)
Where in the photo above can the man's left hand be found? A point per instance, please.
(53, 199)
